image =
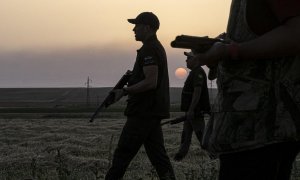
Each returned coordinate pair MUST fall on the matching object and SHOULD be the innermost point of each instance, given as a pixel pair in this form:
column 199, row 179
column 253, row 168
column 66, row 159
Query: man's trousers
column 140, row 131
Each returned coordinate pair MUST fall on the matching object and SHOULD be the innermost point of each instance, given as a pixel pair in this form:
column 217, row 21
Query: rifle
column 195, row 43
column 111, row 96
column 174, row 121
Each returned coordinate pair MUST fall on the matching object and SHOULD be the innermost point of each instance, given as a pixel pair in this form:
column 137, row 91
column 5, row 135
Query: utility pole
column 88, row 91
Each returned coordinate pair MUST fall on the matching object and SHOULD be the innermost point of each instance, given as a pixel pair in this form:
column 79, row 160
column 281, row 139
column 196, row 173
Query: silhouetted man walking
column 148, row 103
column 194, row 102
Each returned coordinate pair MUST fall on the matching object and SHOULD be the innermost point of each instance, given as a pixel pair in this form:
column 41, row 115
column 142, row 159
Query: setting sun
column 180, row 73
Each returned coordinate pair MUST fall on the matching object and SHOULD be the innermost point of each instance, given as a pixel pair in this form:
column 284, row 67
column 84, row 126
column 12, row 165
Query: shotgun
column 109, row 100
column 174, row 121
column 195, row 43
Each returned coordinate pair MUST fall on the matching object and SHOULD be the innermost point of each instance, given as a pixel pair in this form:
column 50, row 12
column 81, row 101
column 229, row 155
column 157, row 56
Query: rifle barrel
column 97, row 111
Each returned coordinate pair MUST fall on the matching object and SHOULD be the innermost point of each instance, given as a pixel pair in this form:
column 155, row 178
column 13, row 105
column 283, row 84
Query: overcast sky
column 59, row 43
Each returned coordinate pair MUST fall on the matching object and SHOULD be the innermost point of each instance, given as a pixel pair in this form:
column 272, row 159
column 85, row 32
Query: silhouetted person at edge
column 194, row 102
column 255, row 126
column 148, row 103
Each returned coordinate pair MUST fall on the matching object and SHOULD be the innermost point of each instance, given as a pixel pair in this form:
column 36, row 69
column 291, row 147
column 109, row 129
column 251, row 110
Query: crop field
column 76, row 149
column 42, row 141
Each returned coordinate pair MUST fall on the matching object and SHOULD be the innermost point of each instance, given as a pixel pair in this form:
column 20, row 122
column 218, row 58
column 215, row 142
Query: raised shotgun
column 195, row 43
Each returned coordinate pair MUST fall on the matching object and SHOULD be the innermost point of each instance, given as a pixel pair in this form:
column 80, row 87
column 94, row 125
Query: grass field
column 45, row 134
column 43, row 140
column 76, row 149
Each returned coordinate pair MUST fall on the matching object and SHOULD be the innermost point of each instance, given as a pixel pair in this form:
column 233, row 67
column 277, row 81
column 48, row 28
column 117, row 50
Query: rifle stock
column 110, row 98
column 195, row 43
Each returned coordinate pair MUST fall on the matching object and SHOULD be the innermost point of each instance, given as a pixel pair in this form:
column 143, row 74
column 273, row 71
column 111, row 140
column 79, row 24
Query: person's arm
column 149, row 83
column 279, row 42
column 195, row 99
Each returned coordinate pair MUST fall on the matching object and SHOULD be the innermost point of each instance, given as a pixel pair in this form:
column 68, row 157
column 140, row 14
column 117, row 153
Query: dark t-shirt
column 153, row 102
column 196, row 78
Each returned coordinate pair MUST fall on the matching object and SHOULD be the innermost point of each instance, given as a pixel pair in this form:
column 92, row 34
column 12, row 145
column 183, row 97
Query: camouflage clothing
column 258, row 101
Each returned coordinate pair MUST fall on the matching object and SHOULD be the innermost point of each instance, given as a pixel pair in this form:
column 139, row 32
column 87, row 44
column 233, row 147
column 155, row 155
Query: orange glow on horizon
column 68, row 23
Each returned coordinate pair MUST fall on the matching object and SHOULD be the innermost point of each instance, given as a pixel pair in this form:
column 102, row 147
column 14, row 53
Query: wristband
column 233, row 51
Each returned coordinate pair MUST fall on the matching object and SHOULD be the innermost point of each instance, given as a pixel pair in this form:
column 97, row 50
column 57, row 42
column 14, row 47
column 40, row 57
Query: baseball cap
column 146, row 18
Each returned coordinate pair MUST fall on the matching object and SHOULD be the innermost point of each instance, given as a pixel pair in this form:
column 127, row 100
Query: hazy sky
column 59, row 43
